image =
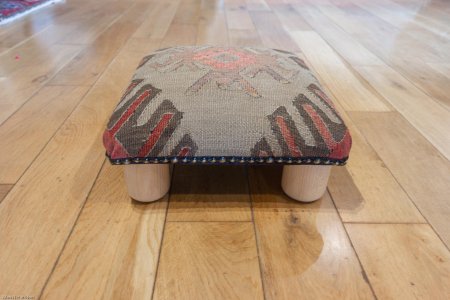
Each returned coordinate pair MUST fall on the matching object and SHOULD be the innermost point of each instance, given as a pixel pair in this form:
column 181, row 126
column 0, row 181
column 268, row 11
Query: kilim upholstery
column 220, row 105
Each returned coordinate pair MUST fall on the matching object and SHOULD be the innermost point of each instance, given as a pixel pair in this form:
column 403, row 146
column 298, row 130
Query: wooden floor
column 68, row 230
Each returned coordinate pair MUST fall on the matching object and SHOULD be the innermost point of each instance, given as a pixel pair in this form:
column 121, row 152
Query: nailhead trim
column 229, row 160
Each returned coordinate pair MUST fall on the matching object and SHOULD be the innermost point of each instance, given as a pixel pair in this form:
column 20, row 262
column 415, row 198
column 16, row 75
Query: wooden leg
column 147, row 183
column 305, row 183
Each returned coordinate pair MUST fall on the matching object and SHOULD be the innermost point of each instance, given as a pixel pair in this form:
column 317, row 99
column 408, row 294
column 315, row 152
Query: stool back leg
column 305, row 183
column 147, row 183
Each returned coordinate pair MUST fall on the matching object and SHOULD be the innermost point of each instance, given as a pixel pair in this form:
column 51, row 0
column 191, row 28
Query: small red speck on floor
column 17, row 57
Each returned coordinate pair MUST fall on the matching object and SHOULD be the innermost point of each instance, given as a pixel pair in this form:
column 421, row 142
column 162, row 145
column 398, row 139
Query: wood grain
column 239, row 19
column 304, row 250
column 209, row 193
column 88, row 65
column 366, row 191
column 112, row 252
column 403, row 49
column 414, row 162
column 403, row 261
column 271, row 31
column 212, row 28
column 47, row 199
column 244, row 38
column 16, row 33
column 208, row 260
column 19, row 86
column 158, row 20
column 342, row 43
column 334, row 74
column 26, row 133
column 427, row 116
column 180, row 35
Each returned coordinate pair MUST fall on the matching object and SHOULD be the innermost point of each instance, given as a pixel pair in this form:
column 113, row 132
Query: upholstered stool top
column 221, row 105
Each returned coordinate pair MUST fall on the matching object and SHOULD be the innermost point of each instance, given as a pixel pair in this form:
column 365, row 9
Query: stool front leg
column 147, row 183
column 305, row 183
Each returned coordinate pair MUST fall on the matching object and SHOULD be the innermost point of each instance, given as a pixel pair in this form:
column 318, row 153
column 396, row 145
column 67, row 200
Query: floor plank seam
column 402, row 72
column 71, row 231
column 82, row 47
column 93, row 183
column 385, row 223
column 363, row 271
column 162, row 234
column 390, row 65
column 33, row 35
column 52, row 136
column 210, row 221
column 43, row 85
column 401, row 186
column 6, row 194
column 256, row 235
column 75, row 107
column 386, row 63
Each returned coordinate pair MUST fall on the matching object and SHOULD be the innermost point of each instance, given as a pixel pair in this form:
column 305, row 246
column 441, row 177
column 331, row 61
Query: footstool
column 225, row 105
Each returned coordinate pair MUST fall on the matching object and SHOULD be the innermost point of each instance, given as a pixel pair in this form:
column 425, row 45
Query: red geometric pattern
column 225, row 105
column 124, row 137
column 226, row 67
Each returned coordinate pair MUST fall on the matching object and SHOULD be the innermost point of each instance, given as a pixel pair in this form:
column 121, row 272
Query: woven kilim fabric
column 225, row 105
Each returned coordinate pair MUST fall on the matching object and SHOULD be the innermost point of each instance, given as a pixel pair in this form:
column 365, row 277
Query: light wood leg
column 147, row 183
column 305, row 183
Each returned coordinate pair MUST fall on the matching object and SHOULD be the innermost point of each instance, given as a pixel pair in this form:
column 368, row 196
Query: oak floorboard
column 365, row 190
column 180, row 35
column 402, row 18
column 113, row 250
column 422, row 111
column 425, row 114
column 256, row 5
column 209, row 193
column 86, row 23
column 345, row 45
column 400, row 48
column 244, row 38
column 212, row 28
column 158, row 20
column 18, row 87
column 188, row 13
column 16, row 33
column 234, row 4
column 390, row 15
column 141, row 46
column 431, row 82
column 239, row 19
column 271, row 31
column 27, row 132
column 289, row 18
column 419, row 168
column 380, row 36
column 335, row 74
column 208, row 260
column 86, row 67
column 47, row 199
column 95, row 22
column 403, row 261
column 442, row 68
column 304, row 250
